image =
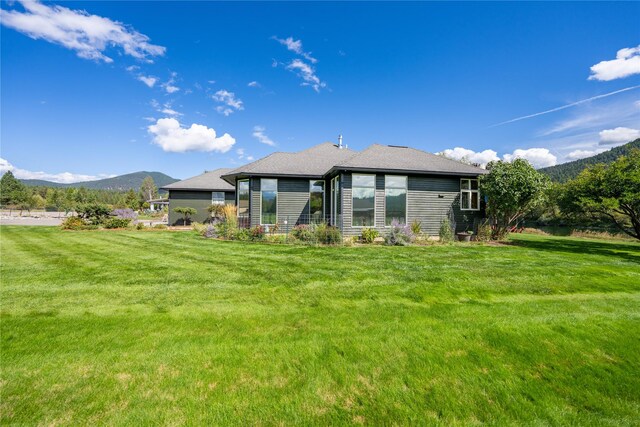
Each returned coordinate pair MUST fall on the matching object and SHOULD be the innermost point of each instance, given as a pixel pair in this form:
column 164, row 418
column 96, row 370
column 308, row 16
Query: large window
column 269, row 201
column 316, row 200
column 364, row 200
column 469, row 195
column 217, row 198
column 395, row 198
column 243, row 197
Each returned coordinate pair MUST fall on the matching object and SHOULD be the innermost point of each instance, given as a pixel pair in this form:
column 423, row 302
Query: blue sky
column 93, row 89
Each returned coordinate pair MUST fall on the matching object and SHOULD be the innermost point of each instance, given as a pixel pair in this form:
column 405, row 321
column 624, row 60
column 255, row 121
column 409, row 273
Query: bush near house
column 369, row 235
column 186, row 213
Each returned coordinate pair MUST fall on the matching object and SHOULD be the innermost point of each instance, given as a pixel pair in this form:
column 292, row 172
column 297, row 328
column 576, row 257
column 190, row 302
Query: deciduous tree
column 608, row 191
column 512, row 189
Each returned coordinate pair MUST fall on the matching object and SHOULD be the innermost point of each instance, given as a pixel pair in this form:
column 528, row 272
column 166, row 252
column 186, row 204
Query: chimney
column 340, row 142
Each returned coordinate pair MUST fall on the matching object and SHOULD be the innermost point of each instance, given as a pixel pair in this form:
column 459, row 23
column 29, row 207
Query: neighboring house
column 353, row 190
column 158, row 204
column 199, row 192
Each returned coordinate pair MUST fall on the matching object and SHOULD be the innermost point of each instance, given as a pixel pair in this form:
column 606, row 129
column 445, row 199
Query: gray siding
column 293, row 201
column 430, row 199
column 199, row 200
column 254, row 201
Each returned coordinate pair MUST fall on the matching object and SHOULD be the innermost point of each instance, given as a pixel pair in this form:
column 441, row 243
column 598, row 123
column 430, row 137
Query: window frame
column 324, row 197
column 471, row 194
column 374, row 200
column 406, row 198
column 224, row 198
column 261, row 190
column 238, row 196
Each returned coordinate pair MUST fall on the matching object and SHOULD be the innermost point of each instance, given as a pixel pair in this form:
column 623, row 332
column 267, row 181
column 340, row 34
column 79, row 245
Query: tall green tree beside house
column 610, row 192
column 512, row 190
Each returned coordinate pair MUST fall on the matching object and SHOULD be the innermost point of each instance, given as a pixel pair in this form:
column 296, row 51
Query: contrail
column 566, row 106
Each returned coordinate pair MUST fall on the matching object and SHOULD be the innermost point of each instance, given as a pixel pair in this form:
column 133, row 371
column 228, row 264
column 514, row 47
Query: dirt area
column 33, row 218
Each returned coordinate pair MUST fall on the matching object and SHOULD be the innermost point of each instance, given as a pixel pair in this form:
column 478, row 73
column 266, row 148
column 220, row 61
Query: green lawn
column 140, row 328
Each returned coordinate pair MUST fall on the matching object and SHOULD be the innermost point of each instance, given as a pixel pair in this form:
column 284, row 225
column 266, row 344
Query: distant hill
column 569, row 170
column 121, row 182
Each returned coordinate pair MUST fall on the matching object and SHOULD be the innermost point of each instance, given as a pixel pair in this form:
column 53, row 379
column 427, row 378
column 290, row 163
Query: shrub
column 116, row 222
column 327, row 234
column 416, row 227
column 277, row 238
column 241, row 234
column 257, row 232
column 73, row 223
column 216, row 211
column 302, row 232
column 484, row 232
column 230, row 215
column 369, row 235
column 400, row 234
column 139, row 226
column 186, row 213
column 446, row 231
column 95, row 213
column 198, row 227
column 160, row 227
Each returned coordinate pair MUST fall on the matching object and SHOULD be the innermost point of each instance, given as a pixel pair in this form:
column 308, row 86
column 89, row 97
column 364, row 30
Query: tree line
column 602, row 194
column 14, row 195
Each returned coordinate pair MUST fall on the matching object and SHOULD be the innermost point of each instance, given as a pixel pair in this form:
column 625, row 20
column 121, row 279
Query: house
column 353, row 190
column 199, row 192
column 158, row 204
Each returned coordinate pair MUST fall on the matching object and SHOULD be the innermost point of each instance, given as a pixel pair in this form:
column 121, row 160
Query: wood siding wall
column 429, row 200
column 199, row 200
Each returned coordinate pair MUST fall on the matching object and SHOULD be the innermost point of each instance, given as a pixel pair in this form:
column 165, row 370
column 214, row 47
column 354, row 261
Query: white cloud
column 295, row 46
column 88, row 35
column 627, row 63
column 63, row 178
column 231, row 103
column 170, row 112
column 470, row 156
column 619, row 135
column 170, row 86
column 254, row 84
column 169, row 134
column 148, row 80
column 538, row 157
column 307, row 73
column 149, row 119
column 581, row 154
column 259, row 134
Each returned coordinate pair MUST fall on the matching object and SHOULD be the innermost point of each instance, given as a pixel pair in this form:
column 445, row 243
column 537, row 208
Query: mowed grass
column 142, row 328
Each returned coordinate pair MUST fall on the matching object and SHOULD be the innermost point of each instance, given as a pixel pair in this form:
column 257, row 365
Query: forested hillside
column 130, row 181
column 567, row 171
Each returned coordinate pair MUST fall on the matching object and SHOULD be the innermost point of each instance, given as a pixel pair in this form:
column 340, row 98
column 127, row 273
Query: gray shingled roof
column 312, row 162
column 396, row 158
column 208, row 181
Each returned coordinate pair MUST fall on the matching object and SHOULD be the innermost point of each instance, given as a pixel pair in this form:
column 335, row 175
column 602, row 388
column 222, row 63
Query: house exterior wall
column 430, row 199
column 199, row 200
column 292, row 202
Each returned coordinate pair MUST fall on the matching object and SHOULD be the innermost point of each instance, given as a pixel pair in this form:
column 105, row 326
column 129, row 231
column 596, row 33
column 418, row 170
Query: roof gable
column 208, row 181
column 398, row 158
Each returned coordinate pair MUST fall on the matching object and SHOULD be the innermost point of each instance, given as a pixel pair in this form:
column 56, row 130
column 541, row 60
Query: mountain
column 121, row 182
column 569, row 170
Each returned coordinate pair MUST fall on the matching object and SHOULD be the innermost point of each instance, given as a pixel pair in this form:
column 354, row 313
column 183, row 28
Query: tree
column 38, row 201
column 131, row 200
column 148, row 189
column 610, row 192
column 8, row 187
column 512, row 189
column 186, row 213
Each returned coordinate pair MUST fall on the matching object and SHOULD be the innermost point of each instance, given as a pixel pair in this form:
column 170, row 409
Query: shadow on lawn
column 628, row 251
